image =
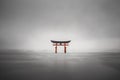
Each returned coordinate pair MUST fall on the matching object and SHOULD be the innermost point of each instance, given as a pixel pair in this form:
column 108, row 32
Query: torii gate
column 60, row 43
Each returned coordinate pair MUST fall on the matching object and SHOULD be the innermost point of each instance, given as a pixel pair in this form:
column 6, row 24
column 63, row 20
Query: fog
column 91, row 25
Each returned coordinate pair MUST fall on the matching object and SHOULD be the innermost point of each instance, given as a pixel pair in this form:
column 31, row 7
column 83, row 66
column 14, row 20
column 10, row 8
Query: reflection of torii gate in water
column 60, row 43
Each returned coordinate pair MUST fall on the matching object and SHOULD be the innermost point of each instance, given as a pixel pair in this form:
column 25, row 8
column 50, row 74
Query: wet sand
column 28, row 65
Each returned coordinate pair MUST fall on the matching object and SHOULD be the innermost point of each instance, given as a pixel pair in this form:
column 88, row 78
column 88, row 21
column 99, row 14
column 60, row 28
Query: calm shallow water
column 26, row 65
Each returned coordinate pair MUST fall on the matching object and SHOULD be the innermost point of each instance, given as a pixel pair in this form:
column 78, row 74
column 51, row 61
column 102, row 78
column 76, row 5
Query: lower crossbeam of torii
column 61, row 43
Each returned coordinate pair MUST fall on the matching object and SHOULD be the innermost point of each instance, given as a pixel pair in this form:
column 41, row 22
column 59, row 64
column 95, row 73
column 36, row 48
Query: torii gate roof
column 54, row 41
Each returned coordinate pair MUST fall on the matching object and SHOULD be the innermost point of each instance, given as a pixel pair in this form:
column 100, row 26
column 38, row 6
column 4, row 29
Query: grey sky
column 30, row 24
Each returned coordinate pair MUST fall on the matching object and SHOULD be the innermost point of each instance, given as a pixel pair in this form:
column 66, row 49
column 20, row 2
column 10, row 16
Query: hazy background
column 92, row 25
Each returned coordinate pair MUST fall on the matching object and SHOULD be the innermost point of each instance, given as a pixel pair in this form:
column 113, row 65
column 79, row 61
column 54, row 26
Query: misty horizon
column 91, row 25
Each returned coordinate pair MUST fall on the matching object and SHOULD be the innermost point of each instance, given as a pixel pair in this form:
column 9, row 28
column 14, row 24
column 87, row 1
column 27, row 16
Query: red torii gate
column 60, row 43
